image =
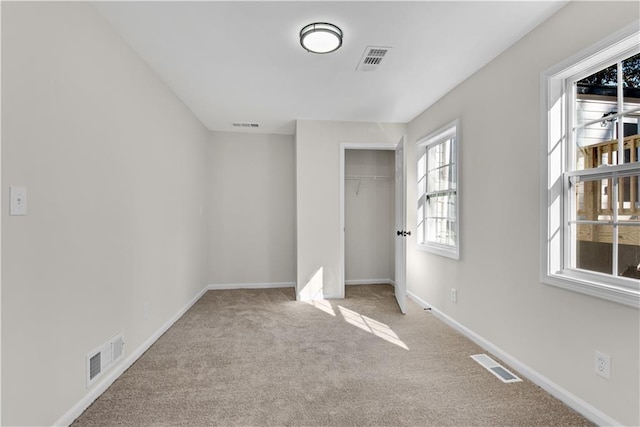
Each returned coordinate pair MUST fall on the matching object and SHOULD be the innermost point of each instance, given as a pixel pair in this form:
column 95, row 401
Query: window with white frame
column 591, row 195
column 438, row 192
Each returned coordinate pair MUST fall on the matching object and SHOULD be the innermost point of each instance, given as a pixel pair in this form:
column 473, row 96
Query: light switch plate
column 18, row 204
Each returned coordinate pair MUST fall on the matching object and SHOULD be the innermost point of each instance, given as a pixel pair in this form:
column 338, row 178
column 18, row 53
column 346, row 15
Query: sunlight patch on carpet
column 372, row 326
column 322, row 304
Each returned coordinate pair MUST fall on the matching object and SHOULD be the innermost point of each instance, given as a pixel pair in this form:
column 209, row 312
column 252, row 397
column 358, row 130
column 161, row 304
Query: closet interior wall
column 369, row 216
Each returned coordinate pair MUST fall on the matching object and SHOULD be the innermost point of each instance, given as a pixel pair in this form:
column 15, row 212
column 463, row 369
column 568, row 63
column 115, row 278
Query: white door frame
column 344, row 146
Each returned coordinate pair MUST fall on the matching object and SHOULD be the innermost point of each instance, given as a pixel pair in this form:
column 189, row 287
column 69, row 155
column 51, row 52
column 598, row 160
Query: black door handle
column 403, row 233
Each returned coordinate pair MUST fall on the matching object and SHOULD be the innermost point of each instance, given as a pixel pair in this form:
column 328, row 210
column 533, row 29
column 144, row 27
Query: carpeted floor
column 258, row 357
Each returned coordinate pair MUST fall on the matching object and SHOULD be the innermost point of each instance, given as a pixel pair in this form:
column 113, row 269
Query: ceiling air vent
column 372, row 58
column 245, row 125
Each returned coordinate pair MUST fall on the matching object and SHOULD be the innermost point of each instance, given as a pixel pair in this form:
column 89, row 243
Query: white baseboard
column 574, row 402
column 228, row 286
column 369, row 282
column 112, row 375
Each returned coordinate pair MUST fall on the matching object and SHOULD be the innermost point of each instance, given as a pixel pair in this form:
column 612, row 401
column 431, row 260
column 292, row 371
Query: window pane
column 439, row 230
column 631, row 91
column 628, row 205
column 631, row 94
column 601, row 81
column 439, row 155
column 432, row 230
column 594, row 251
column 629, row 239
column 596, row 145
column 580, row 199
column 596, row 123
column 604, row 199
column 591, row 199
column 631, row 149
column 629, row 255
column 441, row 179
column 597, row 98
column 452, row 233
column 631, row 71
column 442, row 206
column 629, row 124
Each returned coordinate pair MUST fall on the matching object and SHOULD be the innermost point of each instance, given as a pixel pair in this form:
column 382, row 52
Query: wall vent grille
column 103, row 357
column 94, row 366
column 117, row 347
column 495, row 368
column 245, row 125
column 372, row 58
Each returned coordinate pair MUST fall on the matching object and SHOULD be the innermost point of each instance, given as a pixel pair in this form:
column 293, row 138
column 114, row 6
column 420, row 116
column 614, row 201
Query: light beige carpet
column 258, row 357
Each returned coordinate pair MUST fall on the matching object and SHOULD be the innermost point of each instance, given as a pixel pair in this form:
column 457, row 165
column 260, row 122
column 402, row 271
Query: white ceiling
column 242, row 62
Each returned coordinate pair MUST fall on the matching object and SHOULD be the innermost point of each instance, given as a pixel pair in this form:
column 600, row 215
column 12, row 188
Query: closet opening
column 372, row 213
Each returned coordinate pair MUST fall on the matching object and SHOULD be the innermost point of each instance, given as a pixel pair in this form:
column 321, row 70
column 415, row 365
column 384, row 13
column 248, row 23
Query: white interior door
column 401, row 286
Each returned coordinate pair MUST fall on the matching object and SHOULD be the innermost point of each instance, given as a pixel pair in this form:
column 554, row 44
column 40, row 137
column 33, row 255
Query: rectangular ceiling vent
column 103, row 357
column 245, row 125
column 372, row 58
column 495, row 368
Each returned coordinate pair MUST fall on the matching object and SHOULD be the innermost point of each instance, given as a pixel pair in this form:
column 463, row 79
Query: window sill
column 618, row 294
column 442, row 250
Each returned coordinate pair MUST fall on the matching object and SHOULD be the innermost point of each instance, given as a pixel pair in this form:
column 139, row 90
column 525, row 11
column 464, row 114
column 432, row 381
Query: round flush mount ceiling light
column 321, row 37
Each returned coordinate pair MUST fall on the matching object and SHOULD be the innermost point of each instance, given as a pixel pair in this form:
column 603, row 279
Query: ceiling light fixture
column 321, row 37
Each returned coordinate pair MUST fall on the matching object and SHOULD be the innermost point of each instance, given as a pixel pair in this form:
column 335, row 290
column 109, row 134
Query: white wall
column 553, row 331
column 251, row 208
column 115, row 169
column 369, row 216
column 318, row 198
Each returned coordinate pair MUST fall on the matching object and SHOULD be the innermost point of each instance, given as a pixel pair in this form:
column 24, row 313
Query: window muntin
column 437, row 229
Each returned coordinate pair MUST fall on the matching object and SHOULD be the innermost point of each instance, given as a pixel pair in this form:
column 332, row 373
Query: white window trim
column 553, row 132
column 446, row 131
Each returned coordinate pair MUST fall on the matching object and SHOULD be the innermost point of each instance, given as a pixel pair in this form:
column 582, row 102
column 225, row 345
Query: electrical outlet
column 145, row 310
column 454, row 295
column 18, row 202
column 602, row 365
